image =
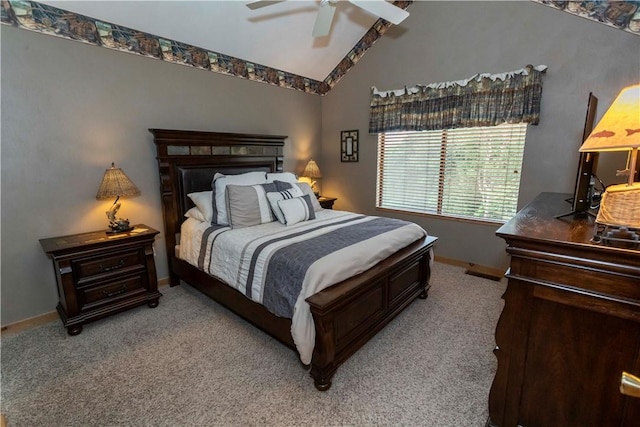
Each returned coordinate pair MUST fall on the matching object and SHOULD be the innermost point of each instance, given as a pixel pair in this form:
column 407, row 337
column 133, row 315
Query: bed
column 344, row 315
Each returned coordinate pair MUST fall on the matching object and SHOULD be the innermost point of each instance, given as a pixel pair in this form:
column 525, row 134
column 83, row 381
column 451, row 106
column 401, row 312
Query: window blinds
column 471, row 173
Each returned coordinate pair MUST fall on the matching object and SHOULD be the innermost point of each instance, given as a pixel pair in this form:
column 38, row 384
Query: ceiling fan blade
column 324, row 19
column 384, row 10
column 253, row 5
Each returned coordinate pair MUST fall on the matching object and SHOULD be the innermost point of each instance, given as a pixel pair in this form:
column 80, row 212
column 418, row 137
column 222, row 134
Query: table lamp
column 312, row 171
column 619, row 130
column 115, row 183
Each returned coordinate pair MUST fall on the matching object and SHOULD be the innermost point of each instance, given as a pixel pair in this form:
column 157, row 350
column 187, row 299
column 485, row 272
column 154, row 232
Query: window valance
column 481, row 100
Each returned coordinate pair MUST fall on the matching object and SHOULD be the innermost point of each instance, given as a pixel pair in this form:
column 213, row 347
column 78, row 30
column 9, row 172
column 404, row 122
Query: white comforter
column 229, row 256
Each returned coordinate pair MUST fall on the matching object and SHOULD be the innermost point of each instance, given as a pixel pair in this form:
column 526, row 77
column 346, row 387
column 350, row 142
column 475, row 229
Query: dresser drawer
column 106, row 292
column 107, row 264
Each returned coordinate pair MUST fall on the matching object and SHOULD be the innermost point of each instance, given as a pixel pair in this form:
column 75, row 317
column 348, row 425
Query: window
column 471, row 173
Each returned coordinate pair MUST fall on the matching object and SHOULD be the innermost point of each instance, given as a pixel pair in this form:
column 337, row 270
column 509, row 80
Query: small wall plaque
column 349, row 145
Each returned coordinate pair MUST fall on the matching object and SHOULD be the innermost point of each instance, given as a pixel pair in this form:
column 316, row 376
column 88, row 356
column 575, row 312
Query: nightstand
column 327, row 202
column 99, row 274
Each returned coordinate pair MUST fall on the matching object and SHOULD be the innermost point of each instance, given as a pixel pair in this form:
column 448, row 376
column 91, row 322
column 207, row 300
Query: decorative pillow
column 306, row 189
column 247, row 205
column 202, row 200
column 274, row 197
column 297, row 209
column 219, row 186
column 282, row 176
column 195, row 213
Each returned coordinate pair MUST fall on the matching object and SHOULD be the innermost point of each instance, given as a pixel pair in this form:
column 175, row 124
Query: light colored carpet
column 190, row 362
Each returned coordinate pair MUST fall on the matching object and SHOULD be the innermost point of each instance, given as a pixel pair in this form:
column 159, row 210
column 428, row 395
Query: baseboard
column 485, row 272
column 42, row 319
column 29, row 323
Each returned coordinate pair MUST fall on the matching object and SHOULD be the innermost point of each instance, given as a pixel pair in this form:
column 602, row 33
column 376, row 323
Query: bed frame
column 346, row 315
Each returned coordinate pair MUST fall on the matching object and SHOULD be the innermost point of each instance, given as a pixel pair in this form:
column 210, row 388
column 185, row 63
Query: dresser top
column 537, row 222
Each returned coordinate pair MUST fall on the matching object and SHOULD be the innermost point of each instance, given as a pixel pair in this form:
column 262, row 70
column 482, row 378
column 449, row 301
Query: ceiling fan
column 322, row 26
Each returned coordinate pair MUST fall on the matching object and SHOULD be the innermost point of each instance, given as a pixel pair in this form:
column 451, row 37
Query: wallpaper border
column 50, row 20
column 624, row 15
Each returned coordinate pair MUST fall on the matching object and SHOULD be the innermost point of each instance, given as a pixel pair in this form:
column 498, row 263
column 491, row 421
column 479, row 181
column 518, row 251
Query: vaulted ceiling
column 278, row 36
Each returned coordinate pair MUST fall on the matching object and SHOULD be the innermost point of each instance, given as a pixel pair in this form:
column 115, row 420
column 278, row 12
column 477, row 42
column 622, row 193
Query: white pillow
column 306, row 189
column 275, row 197
column 282, row 176
column 219, row 186
column 297, row 209
column 195, row 213
column 202, row 200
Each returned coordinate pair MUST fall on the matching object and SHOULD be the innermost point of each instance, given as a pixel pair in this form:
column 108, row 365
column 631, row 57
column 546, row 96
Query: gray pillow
column 219, row 195
column 247, row 205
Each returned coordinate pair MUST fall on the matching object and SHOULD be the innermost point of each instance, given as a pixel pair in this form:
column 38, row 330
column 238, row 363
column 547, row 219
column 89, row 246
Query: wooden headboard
column 188, row 160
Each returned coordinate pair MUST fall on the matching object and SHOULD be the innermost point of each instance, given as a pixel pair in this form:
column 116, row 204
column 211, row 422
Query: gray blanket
column 288, row 265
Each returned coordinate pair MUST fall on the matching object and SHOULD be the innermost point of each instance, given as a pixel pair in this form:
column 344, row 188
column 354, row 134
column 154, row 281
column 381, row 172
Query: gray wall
column 70, row 109
column 444, row 41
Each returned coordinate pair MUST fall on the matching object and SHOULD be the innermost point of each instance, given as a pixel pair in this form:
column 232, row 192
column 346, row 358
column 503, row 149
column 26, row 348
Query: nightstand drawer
column 117, row 262
column 90, row 297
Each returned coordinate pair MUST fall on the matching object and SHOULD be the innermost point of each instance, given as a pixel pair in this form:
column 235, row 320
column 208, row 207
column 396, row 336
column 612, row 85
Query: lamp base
column 618, row 237
column 118, row 230
column 119, row 226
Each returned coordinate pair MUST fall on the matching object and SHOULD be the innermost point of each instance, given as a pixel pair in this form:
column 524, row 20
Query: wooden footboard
column 348, row 314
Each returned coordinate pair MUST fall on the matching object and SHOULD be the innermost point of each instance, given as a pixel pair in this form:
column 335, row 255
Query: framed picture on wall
column 349, row 145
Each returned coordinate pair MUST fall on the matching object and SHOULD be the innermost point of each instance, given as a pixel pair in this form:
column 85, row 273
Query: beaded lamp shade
column 312, row 171
column 116, row 183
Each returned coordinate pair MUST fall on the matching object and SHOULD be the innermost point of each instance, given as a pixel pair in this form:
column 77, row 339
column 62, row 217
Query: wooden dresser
column 570, row 324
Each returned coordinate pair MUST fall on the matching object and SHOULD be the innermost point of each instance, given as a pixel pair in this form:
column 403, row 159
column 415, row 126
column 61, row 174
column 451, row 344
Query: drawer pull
column 118, row 292
column 630, row 385
column 113, row 267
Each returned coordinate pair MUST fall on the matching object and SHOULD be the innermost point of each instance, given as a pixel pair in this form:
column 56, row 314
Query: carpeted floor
column 190, row 362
